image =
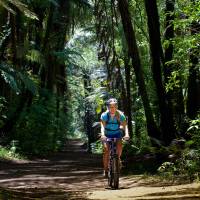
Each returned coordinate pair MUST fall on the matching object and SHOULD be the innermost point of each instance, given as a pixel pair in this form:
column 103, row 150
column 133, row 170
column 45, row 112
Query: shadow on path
column 73, row 169
column 74, row 174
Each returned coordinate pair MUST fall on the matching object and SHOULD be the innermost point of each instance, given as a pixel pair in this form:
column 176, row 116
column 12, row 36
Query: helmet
column 111, row 101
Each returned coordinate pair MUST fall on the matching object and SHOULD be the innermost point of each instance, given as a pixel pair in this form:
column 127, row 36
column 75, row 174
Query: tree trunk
column 193, row 98
column 58, row 24
column 128, row 94
column 88, row 119
column 174, row 95
column 152, row 129
column 167, row 122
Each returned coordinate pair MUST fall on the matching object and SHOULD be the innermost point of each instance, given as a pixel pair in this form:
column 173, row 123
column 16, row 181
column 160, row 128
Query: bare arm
column 103, row 124
column 125, row 127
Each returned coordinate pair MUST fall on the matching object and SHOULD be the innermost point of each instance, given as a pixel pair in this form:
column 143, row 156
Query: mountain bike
column 114, row 165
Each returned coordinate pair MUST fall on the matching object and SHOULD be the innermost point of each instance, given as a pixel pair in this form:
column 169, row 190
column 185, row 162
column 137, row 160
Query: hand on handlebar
column 103, row 137
column 126, row 138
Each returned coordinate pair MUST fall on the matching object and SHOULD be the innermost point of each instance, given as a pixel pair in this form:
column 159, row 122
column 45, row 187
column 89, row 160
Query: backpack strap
column 117, row 116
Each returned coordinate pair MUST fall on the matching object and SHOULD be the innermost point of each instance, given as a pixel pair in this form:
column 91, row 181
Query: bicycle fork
column 113, row 172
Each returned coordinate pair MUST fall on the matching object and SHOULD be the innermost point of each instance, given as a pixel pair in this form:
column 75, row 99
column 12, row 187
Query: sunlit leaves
column 36, row 56
column 68, row 56
column 174, row 81
column 4, row 34
column 17, row 80
column 27, row 82
column 2, row 106
column 186, row 13
column 9, row 76
column 21, row 6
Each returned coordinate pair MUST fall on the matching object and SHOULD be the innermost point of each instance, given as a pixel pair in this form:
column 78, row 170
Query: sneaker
column 105, row 174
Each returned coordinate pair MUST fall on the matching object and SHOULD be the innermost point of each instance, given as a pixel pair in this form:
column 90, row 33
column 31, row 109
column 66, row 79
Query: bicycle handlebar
column 114, row 139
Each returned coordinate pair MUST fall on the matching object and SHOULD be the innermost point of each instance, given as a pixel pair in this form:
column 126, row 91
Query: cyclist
column 112, row 123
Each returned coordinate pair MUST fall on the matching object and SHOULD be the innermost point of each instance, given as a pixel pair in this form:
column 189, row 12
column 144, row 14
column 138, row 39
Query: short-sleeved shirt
column 112, row 124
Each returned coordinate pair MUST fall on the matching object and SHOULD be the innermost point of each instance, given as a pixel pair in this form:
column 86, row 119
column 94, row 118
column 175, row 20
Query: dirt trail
column 75, row 174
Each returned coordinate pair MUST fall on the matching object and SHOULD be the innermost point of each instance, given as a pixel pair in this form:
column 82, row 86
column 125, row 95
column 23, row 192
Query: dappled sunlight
column 69, row 169
column 37, row 193
column 188, row 191
column 78, row 175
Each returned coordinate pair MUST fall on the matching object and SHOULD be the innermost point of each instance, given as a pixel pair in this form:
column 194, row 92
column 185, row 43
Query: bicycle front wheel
column 115, row 172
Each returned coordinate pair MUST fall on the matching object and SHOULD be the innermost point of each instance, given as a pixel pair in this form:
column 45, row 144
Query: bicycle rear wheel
column 115, row 172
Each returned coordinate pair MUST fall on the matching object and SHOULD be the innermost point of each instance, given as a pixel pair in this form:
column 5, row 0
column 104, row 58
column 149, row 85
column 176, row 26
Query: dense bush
column 187, row 163
column 40, row 128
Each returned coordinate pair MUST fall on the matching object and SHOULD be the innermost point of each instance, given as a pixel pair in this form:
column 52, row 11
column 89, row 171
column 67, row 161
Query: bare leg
column 105, row 156
column 119, row 148
column 119, row 151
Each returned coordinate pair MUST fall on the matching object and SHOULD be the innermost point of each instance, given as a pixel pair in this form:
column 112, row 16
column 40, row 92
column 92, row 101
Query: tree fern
column 17, row 80
column 27, row 82
column 82, row 2
column 9, row 76
column 11, row 81
column 69, row 56
column 21, row 6
column 36, row 56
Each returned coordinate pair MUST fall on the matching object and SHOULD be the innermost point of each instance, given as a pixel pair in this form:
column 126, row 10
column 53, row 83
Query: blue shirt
column 112, row 124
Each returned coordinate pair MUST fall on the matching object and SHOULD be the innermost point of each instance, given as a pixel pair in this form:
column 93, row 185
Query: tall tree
column 174, row 96
column 57, row 26
column 193, row 99
column 128, row 93
column 129, row 32
column 166, row 115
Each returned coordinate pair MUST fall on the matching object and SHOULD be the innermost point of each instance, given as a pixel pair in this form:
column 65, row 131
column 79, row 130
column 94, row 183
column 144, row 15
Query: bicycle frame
column 113, row 167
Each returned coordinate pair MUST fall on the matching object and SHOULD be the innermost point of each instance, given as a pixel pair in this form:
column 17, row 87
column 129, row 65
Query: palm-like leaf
column 82, row 2
column 36, row 56
column 21, row 6
column 15, row 79
column 69, row 56
column 10, row 79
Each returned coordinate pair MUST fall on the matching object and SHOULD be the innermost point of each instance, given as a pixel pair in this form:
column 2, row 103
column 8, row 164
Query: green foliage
column 40, row 129
column 97, row 147
column 174, row 81
column 35, row 56
column 17, row 80
column 21, row 6
column 167, row 169
column 9, row 154
column 69, row 56
column 129, row 150
column 5, row 33
column 188, row 163
column 2, row 115
column 81, row 57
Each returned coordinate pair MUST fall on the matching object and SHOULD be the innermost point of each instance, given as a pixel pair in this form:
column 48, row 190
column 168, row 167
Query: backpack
column 118, row 119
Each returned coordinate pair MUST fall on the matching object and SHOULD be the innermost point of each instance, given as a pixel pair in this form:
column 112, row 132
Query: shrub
column 40, row 129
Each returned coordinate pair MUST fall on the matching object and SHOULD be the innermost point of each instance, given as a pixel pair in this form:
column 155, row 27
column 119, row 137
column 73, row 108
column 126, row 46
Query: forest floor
column 75, row 174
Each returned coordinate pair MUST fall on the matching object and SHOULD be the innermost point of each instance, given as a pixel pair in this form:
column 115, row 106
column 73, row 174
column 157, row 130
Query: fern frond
column 34, row 55
column 11, row 81
column 7, row 7
column 28, row 83
column 21, row 6
column 54, row 2
column 4, row 34
column 15, row 79
column 69, row 56
column 82, row 2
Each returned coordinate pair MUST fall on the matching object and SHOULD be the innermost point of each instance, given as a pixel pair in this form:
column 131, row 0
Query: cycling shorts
column 115, row 135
